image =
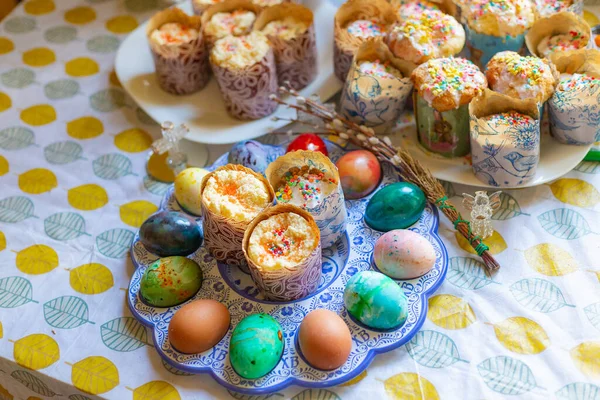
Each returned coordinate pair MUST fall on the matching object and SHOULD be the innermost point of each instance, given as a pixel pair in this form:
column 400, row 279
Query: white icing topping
column 379, row 70
column 173, row 33
column 240, row 52
column 286, row 29
column 500, row 17
column 364, row 29
column 236, row 23
column 563, row 42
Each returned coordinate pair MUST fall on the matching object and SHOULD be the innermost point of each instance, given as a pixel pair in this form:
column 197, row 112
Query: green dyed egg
column 376, row 300
column 396, row 206
column 256, row 346
column 170, row 281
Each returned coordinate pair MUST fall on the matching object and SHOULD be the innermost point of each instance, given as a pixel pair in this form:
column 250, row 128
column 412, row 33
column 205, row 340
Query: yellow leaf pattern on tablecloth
column 5, row 102
column 450, row 312
column 495, row 242
column 80, row 15
column 136, row 212
column 81, row 66
column 410, row 386
column 37, row 259
column 522, row 335
column 586, row 357
column 1, row 331
column 355, row 380
column 39, row 7
column 87, row 197
column 95, row 375
column 156, row 390
column 4, row 166
column 549, row 259
column 85, row 128
column 36, row 351
column 133, row 140
column 39, row 57
column 37, row 181
column 38, row 115
column 121, row 24
column 575, row 192
column 6, row 45
column 2, row 241
column 5, row 394
column 91, row 278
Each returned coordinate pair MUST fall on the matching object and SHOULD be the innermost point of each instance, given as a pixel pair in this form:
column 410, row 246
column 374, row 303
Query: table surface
column 73, row 189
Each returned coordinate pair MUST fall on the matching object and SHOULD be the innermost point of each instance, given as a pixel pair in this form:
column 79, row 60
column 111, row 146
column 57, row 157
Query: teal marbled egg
column 396, row 206
column 256, row 346
column 375, row 300
column 170, row 281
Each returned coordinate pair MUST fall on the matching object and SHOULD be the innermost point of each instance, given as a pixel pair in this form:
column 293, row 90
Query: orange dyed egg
column 360, row 173
column 324, row 339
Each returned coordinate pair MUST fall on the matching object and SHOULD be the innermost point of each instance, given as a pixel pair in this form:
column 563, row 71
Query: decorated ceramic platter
column 234, row 288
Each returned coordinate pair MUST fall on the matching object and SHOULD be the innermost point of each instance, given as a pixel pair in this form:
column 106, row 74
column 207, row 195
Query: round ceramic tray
column 237, row 291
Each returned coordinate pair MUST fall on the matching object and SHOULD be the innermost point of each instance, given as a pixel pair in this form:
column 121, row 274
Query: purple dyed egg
column 251, row 154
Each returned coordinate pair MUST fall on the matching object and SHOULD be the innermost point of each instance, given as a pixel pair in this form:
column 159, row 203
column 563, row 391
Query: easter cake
column 283, row 250
column 230, row 17
column 558, row 33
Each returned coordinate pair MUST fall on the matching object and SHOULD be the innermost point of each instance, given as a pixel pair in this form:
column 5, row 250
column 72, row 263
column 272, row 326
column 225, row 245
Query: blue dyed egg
column 250, row 154
column 375, row 300
column 169, row 233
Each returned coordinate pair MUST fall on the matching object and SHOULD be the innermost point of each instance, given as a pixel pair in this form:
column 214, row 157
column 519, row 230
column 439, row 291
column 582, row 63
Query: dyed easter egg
column 396, row 206
column 250, row 154
column 403, row 254
column 198, row 326
column 324, row 339
column 375, row 300
column 170, row 281
column 187, row 189
column 170, row 233
column 308, row 141
column 256, row 346
column 360, row 173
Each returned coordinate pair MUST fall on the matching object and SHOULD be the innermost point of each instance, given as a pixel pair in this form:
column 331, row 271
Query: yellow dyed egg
column 187, row 189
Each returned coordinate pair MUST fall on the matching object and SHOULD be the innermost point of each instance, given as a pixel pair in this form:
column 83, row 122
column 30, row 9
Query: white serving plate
column 204, row 112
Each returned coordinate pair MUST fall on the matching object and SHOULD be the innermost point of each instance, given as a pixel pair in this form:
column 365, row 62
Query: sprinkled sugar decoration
column 552, row 6
column 379, row 70
column 572, row 41
column 454, row 75
column 530, row 68
column 428, row 26
column 366, row 29
column 578, row 82
column 511, row 10
column 305, row 183
column 512, row 118
column 281, row 244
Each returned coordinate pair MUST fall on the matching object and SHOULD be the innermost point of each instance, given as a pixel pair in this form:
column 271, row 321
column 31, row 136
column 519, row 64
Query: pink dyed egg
column 403, row 254
column 360, row 173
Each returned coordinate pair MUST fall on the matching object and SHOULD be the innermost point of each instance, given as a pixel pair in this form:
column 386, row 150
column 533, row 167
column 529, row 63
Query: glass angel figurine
column 482, row 208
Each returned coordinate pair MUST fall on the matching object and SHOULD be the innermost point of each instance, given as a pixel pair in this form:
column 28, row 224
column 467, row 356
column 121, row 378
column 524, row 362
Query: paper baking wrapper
column 577, row 7
column 223, row 237
column 482, row 48
column 330, row 215
column 181, row 69
column 560, row 23
column 226, row 6
column 296, row 58
column 345, row 45
column 507, row 157
column 376, row 102
column 445, row 133
column 246, row 92
column 575, row 115
column 199, row 8
column 286, row 284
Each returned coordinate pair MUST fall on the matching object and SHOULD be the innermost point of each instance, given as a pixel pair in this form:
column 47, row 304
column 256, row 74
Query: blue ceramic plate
column 235, row 289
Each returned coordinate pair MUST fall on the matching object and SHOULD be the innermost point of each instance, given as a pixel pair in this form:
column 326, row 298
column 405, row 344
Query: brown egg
column 324, row 339
column 198, row 326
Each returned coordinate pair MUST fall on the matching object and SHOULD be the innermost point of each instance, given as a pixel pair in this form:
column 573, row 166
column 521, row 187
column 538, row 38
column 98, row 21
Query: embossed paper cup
column 180, row 69
column 345, row 44
column 226, row 6
column 376, row 101
column 247, row 90
column 574, row 110
column 223, row 237
column 286, row 284
column 506, row 157
column 295, row 58
column 330, row 213
column 562, row 23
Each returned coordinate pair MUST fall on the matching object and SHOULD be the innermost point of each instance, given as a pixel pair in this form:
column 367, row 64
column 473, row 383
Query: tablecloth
column 73, row 189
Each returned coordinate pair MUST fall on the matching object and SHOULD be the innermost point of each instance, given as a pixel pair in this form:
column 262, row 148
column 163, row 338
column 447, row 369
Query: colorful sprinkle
column 530, row 69
column 366, row 29
column 577, row 82
column 453, row 75
column 303, row 188
column 379, row 70
column 511, row 118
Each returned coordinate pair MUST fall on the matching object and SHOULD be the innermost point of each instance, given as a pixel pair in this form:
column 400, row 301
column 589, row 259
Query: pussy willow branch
column 405, row 165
